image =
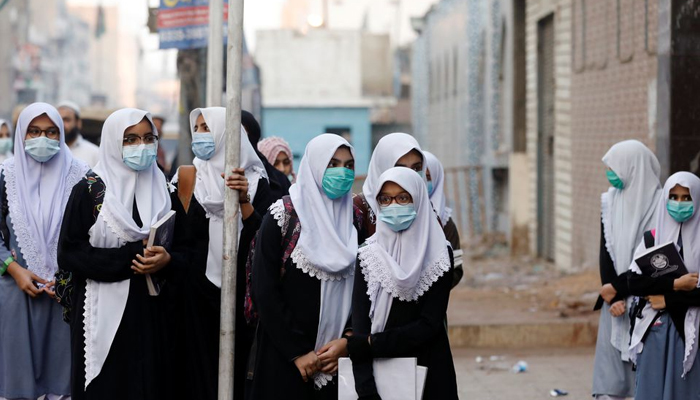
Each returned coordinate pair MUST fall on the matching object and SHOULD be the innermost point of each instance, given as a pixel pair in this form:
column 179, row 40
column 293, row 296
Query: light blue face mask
column 398, row 217
column 614, row 180
column 337, row 182
column 139, row 157
column 421, row 173
column 430, row 188
column 6, row 145
column 203, row 145
column 42, row 149
column 681, row 211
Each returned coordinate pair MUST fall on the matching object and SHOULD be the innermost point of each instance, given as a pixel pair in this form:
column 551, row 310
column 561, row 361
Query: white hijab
column 327, row 246
column 389, row 150
column 626, row 214
column 210, row 187
column 403, row 265
column 115, row 227
column 37, row 193
column 437, row 197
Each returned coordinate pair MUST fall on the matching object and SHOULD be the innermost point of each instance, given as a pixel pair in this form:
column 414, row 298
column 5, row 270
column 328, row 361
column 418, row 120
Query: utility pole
column 227, row 330
column 215, row 54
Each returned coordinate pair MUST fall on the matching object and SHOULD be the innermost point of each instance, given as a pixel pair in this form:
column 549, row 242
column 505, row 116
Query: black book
column 161, row 235
column 662, row 260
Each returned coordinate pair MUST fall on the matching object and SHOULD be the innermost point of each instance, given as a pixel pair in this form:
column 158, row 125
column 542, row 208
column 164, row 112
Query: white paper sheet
column 396, row 379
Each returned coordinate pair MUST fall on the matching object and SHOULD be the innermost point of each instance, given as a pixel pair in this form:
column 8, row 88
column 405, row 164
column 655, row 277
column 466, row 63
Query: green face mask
column 614, row 180
column 681, row 211
column 337, row 182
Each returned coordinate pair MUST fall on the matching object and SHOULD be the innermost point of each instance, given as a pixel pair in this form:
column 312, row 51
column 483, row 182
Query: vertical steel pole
column 215, row 54
column 227, row 328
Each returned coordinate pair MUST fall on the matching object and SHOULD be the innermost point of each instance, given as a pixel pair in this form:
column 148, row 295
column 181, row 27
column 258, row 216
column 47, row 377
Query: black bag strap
column 649, row 239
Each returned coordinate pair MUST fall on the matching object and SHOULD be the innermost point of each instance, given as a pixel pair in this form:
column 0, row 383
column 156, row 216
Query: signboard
column 184, row 24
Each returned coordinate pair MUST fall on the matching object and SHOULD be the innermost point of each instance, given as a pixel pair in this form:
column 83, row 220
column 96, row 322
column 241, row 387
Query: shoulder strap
column 185, row 184
column 649, row 238
column 290, row 236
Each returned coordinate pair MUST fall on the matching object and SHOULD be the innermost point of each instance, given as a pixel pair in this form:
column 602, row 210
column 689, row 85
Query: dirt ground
column 499, row 289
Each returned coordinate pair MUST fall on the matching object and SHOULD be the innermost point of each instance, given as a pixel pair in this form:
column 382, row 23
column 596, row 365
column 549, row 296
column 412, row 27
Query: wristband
column 6, row 265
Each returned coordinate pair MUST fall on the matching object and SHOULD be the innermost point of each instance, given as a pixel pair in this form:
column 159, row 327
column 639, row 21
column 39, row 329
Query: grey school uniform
column 34, row 339
column 611, row 375
column 660, row 366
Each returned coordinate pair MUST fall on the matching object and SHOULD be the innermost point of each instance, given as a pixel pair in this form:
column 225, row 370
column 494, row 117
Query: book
column 662, row 260
column 161, row 235
column 387, row 371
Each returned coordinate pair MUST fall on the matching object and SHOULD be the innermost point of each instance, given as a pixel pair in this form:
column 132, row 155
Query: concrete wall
column 318, row 68
column 299, row 125
column 462, row 89
column 613, row 98
column 605, row 78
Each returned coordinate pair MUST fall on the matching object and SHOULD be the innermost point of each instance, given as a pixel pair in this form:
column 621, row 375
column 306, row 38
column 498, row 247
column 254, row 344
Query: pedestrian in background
column 628, row 209
column 82, row 149
column 34, row 187
column 393, row 150
column 435, row 175
column 278, row 153
column 6, row 143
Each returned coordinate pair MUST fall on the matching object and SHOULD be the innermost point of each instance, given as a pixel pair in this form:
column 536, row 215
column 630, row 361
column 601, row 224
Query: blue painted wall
column 299, row 125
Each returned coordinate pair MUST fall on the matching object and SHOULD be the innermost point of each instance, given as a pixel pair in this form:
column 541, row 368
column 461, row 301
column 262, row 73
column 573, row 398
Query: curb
column 549, row 334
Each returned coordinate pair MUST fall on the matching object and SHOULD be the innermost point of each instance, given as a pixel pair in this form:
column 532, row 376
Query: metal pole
column 215, row 53
column 227, row 333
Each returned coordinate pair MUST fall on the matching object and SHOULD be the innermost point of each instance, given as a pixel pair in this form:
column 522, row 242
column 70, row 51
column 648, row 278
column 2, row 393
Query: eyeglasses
column 134, row 140
column 51, row 133
column 401, row 199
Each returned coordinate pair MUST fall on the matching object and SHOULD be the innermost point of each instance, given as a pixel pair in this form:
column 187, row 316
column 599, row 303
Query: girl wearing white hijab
column 35, row 186
column 665, row 337
column 393, row 150
column 628, row 210
column 304, row 302
column 116, row 326
column 435, row 175
column 402, row 288
column 6, row 143
column 194, row 292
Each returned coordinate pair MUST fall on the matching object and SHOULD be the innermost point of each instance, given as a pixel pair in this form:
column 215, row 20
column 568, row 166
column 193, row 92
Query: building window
column 343, row 131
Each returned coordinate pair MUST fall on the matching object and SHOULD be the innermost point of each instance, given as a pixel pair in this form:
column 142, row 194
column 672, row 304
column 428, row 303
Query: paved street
column 566, row 369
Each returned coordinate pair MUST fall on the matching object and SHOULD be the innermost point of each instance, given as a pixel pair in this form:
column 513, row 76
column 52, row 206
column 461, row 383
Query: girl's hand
column 26, row 280
column 153, row 260
column 686, row 282
column 49, row 289
column 608, row 292
column 308, row 365
column 617, row 308
column 329, row 354
column 238, row 181
column 658, row 302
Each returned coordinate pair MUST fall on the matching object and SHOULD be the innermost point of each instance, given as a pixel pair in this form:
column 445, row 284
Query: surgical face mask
column 6, row 145
column 681, row 211
column 139, row 157
column 430, row 188
column 421, row 173
column 337, row 182
column 203, row 145
column 398, row 217
column 614, row 180
column 42, row 149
